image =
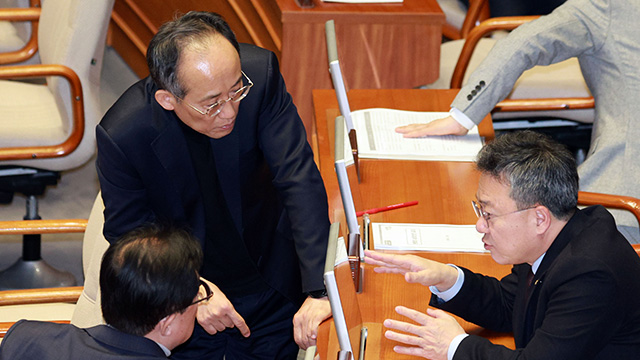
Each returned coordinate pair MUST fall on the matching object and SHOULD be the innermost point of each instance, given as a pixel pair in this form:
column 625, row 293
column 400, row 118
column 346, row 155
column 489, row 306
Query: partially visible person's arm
column 124, row 194
column 283, row 140
column 569, row 31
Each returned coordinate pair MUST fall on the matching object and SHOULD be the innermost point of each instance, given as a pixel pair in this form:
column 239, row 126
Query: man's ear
column 165, row 99
column 543, row 218
column 164, row 326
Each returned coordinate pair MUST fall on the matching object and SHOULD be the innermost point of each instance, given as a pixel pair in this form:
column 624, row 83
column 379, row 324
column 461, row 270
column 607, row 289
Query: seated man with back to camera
column 150, row 292
column 603, row 35
column 573, row 290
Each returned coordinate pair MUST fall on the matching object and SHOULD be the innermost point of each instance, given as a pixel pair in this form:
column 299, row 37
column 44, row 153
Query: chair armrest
column 42, row 226
column 510, row 105
column 31, row 47
column 77, row 105
column 544, row 104
column 43, row 295
column 40, row 296
column 477, row 33
column 611, row 201
column 478, row 11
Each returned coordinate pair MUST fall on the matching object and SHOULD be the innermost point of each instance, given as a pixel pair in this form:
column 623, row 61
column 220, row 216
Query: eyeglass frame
column 207, row 290
column 480, row 213
column 245, row 89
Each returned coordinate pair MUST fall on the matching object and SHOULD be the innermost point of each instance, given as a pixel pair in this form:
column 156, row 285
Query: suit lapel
column 525, row 309
column 226, row 152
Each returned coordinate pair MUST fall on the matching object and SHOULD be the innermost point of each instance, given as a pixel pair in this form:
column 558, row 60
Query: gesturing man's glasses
column 480, row 213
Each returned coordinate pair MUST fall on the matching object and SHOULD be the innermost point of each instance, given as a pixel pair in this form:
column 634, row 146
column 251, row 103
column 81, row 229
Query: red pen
column 388, row 207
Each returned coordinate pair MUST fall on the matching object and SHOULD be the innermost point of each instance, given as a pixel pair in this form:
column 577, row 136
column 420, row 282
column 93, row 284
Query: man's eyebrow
column 218, row 94
column 483, row 202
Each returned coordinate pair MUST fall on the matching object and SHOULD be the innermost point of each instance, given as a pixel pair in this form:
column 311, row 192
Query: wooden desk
column 380, row 46
column 444, row 191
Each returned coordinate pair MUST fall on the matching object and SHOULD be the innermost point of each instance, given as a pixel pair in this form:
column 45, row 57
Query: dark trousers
column 269, row 316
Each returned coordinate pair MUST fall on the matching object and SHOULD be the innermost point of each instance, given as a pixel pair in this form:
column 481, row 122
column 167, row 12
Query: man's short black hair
column 167, row 45
column 539, row 170
column 148, row 274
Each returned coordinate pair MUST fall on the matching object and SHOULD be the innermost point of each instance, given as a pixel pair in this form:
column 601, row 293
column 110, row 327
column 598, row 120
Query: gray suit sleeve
column 577, row 27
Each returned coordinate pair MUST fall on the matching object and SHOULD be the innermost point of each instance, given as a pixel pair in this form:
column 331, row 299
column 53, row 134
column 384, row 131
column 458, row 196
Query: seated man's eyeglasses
column 480, row 213
column 236, row 96
column 208, row 293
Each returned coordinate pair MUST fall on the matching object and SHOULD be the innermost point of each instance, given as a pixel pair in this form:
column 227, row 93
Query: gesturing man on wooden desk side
column 573, row 289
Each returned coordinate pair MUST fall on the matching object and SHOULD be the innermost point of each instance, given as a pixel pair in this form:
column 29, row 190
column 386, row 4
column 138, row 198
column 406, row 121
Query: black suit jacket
column 583, row 305
column 45, row 340
column 265, row 167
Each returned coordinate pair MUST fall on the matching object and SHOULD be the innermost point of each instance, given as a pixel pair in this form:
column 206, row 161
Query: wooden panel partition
column 134, row 22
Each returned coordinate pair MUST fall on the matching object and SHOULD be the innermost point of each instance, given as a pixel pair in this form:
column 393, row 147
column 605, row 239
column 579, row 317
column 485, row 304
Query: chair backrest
column 88, row 311
column 73, row 33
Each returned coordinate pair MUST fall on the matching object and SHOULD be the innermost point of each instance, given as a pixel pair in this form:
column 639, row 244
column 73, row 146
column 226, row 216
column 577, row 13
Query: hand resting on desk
column 444, row 126
column 308, row 318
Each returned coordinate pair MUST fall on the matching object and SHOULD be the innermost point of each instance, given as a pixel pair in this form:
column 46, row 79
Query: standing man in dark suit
column 573, row 290
column 150, row 292
column 212, row 140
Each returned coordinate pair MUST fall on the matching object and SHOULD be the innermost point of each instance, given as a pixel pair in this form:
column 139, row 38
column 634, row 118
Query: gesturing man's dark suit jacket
column 583, row 304
column 265, row 167
column 45, row 340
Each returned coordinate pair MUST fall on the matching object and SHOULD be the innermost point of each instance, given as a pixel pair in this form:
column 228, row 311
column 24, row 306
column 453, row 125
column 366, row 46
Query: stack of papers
column 377, row 139
column 426, row 237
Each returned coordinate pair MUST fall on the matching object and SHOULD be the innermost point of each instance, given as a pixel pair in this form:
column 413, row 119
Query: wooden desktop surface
column 379, row 45
column 444, row 191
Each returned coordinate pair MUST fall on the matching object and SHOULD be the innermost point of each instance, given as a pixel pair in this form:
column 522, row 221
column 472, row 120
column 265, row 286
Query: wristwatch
column 317, row 294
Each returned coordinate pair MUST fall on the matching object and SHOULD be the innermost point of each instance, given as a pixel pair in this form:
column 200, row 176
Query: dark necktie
column 529, row 284
column 530, row 305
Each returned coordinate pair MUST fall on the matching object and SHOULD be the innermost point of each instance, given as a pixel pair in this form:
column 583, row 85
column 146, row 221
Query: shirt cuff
column 461, row 118
column 452, row 291
column 453, row 346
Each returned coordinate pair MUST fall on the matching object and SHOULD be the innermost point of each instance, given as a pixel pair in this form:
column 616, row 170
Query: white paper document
column 377, row 139
column 341, row 251
column 426, row 237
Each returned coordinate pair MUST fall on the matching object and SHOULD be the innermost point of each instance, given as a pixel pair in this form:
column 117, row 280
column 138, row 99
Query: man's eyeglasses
column 480, row 213
column 208, row 293
column 236, row 96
